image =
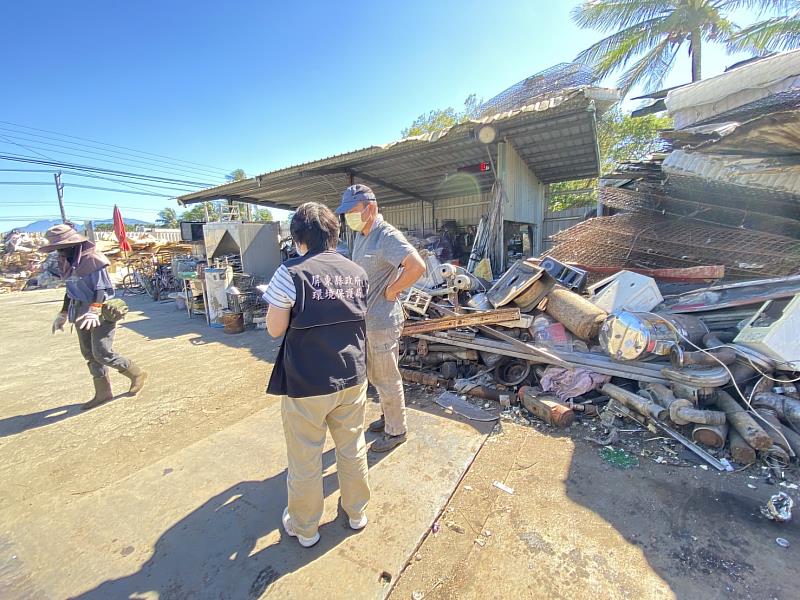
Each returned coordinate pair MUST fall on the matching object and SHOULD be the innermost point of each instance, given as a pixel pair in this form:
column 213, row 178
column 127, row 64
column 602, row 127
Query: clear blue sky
column 253, row 85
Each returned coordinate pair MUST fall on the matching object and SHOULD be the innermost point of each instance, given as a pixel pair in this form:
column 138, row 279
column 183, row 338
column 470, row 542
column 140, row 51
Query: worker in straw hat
column 85, row 271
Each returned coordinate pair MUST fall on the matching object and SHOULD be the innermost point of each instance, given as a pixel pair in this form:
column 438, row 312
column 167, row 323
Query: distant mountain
column 45, row 224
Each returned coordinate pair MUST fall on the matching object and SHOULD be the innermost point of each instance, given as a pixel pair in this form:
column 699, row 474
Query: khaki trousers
column 384, row 374
column 305, row 423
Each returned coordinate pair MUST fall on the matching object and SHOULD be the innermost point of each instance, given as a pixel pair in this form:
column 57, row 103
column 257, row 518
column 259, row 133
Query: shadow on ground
column 213, row 552
column 700, row 531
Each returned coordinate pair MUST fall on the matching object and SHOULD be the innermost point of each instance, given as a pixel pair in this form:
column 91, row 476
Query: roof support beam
column 368, row 178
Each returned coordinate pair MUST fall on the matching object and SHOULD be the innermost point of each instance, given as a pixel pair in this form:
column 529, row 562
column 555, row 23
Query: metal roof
column 556, row 137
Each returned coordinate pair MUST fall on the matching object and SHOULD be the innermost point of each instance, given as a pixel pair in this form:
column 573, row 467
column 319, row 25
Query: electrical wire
column 115, row 162
column 115, row 180
column 17, row 125
column 145, row 162
column 91, row 169
column 89, row 187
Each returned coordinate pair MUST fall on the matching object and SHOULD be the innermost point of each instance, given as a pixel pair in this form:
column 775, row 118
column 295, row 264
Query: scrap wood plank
column 500, row 315
column 681, row 274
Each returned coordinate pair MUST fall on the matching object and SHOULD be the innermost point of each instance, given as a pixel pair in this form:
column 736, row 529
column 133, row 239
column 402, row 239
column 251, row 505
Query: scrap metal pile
column 714, row 369
column 22, row 265
column 727, row 194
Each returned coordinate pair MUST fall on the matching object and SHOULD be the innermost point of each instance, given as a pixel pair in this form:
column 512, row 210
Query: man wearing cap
column 85, row 271
column 392, row 266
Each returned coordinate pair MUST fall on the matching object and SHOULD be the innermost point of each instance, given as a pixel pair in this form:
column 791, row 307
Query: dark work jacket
column 324, row 348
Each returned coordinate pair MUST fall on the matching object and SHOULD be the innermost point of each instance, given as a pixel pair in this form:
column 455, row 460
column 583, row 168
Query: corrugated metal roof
column 556, row 137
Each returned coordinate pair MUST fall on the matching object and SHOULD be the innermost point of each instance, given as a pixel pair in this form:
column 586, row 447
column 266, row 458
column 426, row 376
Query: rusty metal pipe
column 681, row 411
column 741, row 421
column 643, row 406
column 713, row 436
column 710, row 358
column 741, row 451
column 771, row 417
column 742, row 372
column 787, row 409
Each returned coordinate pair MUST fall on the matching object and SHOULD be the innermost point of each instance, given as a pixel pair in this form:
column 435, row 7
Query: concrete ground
column 178, row 493
column 578, row 528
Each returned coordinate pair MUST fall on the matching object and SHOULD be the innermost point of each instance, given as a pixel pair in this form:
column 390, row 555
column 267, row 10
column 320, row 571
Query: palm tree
column 781, row 32
column 653, row 32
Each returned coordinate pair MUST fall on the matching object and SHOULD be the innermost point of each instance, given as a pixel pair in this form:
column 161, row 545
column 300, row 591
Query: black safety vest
column 324, row 348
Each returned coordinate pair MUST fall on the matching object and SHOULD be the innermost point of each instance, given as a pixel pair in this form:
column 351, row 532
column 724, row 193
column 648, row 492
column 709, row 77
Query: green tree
column 236, row 175
column 651, row 33
column 198, row 212
column 263, row 215
column 167, row 218
column 436, row 120
column 781, row 32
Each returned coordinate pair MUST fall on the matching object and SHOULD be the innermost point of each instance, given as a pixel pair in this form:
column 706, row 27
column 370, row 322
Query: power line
column 115, row 146
column 79, row 174
column 88, row 187
column 116, row 162
column 79, row 167
column 54, row 147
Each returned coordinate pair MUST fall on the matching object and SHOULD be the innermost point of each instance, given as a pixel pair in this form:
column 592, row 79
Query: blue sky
column 249, row 84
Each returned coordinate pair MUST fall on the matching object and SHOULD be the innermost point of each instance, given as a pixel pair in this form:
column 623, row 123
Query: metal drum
column 632, row 336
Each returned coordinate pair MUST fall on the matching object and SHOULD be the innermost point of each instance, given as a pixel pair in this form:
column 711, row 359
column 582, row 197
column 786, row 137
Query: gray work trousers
column 96, row 347
column 384, row 373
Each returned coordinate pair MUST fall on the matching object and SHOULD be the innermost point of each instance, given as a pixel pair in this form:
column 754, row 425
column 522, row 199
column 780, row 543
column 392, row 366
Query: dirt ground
column 577, row 527
column 574, row 526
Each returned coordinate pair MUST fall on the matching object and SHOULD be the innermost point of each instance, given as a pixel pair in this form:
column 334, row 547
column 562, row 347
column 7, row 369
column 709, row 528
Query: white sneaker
column 360, row 523
column 287, row 526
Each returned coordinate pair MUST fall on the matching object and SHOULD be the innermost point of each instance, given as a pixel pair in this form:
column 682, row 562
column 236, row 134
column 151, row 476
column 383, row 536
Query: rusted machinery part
column 512, row 371
column 644, row 406
column 546, row 407
column 740, row 420
column 713, row 436
column 787, row 409
column 422, row 378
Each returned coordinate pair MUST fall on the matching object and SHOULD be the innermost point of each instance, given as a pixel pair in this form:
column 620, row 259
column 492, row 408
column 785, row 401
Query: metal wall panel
column 524, row 192
column 465, row 210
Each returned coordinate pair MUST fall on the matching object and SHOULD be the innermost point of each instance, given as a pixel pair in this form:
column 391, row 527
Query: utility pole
column 60, row 192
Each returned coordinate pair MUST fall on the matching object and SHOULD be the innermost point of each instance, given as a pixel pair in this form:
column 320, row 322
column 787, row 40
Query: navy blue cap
column 353, row 195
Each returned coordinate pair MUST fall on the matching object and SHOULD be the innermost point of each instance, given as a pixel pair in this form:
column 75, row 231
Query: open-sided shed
column 448, row 175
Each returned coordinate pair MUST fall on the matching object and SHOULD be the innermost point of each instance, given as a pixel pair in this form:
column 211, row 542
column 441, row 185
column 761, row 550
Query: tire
column 130, row 286
column 147, row 284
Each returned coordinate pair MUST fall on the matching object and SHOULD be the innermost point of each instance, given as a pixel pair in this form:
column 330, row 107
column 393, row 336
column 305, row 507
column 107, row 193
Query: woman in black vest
column 318, row 300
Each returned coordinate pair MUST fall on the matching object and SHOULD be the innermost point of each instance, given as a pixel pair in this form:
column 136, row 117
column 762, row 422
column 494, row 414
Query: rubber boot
column 137, row 377
column 102, row 392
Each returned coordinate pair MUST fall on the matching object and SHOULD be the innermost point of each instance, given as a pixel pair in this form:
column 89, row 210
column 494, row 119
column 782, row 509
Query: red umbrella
column 119, row 231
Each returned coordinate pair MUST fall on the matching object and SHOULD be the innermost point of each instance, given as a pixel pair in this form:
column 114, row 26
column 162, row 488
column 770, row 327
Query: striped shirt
column 280, row 291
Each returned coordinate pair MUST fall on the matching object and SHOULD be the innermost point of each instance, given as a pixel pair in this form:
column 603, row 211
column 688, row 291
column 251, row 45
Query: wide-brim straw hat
column 62, row 236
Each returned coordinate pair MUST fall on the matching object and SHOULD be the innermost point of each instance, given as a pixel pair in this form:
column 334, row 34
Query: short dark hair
column 315, row 225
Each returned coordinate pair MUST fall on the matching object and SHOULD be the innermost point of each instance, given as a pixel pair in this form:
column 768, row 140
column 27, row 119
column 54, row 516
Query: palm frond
column 619, row 14
column 760, row 6
column 651, row 69
column 637, row 38
column 779, row 33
